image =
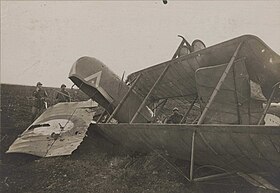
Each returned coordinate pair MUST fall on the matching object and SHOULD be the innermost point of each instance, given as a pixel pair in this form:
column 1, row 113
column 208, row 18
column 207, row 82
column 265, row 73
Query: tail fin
column 102, row 85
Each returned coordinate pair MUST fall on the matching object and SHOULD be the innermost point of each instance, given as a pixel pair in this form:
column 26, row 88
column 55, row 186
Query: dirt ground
column 96, row 166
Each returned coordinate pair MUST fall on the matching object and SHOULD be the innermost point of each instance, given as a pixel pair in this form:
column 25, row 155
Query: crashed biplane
column 230, row 86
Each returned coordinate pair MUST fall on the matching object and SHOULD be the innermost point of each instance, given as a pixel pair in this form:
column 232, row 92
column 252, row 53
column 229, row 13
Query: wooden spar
column 123, row 99
column 150, row 92
column 219, row 84
column 160, row 109
column 192, row 157
column 188, row 111
column 269, row 102
column 214, row 94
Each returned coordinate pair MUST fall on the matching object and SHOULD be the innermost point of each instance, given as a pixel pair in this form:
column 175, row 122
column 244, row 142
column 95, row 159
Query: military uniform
column 63, row 96
column 175, row 119
column 40, row 96
column 39, row 104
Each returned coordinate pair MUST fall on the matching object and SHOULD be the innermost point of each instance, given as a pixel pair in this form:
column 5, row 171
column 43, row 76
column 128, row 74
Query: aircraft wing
column 262, row 64
column 233, row 148
column 58, row 131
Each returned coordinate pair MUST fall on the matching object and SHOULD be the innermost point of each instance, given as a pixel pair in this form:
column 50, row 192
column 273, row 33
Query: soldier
column 63, row 95
column 39, row 104
column 175, row 118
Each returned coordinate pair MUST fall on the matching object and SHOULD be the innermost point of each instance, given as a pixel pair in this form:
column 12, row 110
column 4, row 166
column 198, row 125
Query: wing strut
column 192, row 156
column 236, row 96
column 123, row 99
column 202, row 117
column 160, row 77
column 150, row 92
column 188, row 111
column 219, row 84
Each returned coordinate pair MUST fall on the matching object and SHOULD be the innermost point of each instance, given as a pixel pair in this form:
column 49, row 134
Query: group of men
column 40, row 97
column 40, row 103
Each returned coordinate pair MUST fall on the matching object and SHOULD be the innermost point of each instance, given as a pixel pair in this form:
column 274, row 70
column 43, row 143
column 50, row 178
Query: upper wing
column 58, row 131
column 262, row 63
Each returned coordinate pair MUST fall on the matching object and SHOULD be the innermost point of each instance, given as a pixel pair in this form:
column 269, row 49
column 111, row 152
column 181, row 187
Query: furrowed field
column 96, row 166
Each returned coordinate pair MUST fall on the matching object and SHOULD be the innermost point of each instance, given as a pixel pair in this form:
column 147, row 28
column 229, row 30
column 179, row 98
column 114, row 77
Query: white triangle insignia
column 94, row 78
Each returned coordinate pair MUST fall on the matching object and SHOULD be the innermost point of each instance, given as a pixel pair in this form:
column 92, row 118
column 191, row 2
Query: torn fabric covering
column 58, row 131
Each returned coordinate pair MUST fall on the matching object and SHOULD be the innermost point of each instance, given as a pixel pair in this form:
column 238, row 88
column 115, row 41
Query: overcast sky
column 41, row 40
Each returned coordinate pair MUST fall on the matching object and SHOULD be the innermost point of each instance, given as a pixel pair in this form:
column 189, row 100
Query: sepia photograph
column 144, row 96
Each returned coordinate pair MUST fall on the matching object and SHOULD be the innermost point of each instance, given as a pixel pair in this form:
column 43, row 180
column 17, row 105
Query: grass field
column 96, row 166
column 92, row 168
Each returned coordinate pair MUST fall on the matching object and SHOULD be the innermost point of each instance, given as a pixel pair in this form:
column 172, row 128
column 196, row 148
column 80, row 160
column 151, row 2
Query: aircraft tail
column 102, row 85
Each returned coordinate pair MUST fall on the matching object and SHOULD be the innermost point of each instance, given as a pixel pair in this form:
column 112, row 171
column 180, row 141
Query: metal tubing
column 188, row 111
column 219, row 84
column 268, row 102
column 192, row 157
column 150, row 92
column 123, row 99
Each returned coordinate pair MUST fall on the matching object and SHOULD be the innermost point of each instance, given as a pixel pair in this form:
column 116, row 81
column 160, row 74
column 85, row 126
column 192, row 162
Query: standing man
column 175, row 118
column 39, row 104
column 63, row 95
